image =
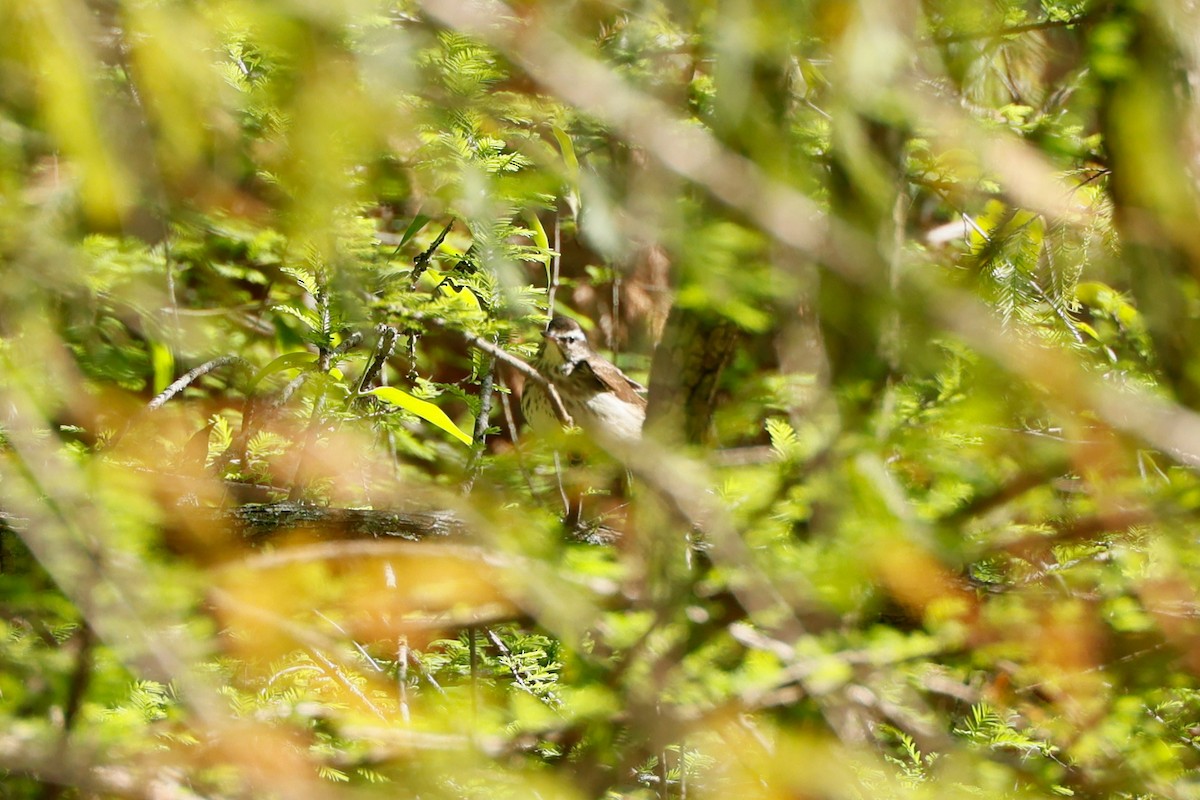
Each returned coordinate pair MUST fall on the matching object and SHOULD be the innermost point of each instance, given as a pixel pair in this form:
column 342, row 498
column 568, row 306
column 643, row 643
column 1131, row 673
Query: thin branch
column 549, row 698
column 325, row 361
column 411, row 355
column 175, row 388
column 324, row 352
column 421, row 262
column 402, row 678
column 508, row 358
column 479, row 436
column 510, row 421
column 383, row 350
column 336, row 673
column 555, row 263
column 473, row 649
column 299, row 480
column 1012, row 30
column 362, row 651
column 190, row 377
column 285, row 394
column 305, row 637
column 415, row 657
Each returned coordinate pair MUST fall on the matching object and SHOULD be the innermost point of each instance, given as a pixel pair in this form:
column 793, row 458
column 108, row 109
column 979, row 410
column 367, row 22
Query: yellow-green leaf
column 460, row 296
column 539, row 232
column 568, row 151
column 1088, row 329
column 163, row 361
column 422, row 408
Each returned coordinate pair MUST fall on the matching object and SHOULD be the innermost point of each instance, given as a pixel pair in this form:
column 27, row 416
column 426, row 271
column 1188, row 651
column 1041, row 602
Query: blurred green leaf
column 297, row 360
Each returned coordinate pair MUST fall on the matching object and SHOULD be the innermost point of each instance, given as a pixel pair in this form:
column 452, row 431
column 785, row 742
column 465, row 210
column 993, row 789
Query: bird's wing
column 637, row 387
column 610, row 378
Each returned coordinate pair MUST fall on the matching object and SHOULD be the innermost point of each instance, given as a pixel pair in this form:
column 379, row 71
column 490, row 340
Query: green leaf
column 305, row 279
column 572, row 162
column 302, row 314
column 422, row 408
column 295, row 360
column 414, row 227
column 568, row 151
column 539, row 232
column 784, row 441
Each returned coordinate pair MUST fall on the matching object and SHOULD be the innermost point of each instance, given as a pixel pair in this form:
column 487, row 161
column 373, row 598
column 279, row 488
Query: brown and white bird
column 602, row 399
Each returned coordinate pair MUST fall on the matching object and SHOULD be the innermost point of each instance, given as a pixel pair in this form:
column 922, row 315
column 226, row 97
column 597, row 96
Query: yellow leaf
column 461, row 297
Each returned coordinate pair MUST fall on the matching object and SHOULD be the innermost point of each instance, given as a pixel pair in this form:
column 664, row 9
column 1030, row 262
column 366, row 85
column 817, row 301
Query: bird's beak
column 546, row 334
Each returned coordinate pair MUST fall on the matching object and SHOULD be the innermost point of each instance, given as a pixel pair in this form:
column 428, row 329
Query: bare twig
column 285, row 394
column 190, row 377
column 508, row 358
column 402, row 678
column 473, row 650
column 336, row 673
column 362, row 651
column 421, row 262
column 549, row 698
column 175, row 388
column 312, row 642
column 325, row 353
column 486, row 386
column 411, row 354
column 1012, row 30
column 383, row 350
column 555, row 264
column 511, row 422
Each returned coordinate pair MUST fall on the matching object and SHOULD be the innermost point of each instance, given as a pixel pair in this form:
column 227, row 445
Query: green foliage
column 940, row 541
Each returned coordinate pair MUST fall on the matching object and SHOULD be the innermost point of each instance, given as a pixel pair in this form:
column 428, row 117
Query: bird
column 602, row 400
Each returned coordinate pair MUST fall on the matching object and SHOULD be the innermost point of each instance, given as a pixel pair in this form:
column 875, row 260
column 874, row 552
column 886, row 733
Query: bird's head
column 566, row 340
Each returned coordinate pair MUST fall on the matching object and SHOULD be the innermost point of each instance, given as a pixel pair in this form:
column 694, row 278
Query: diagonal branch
column 1000, row 33
column 502, row 355
column 191, row 376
